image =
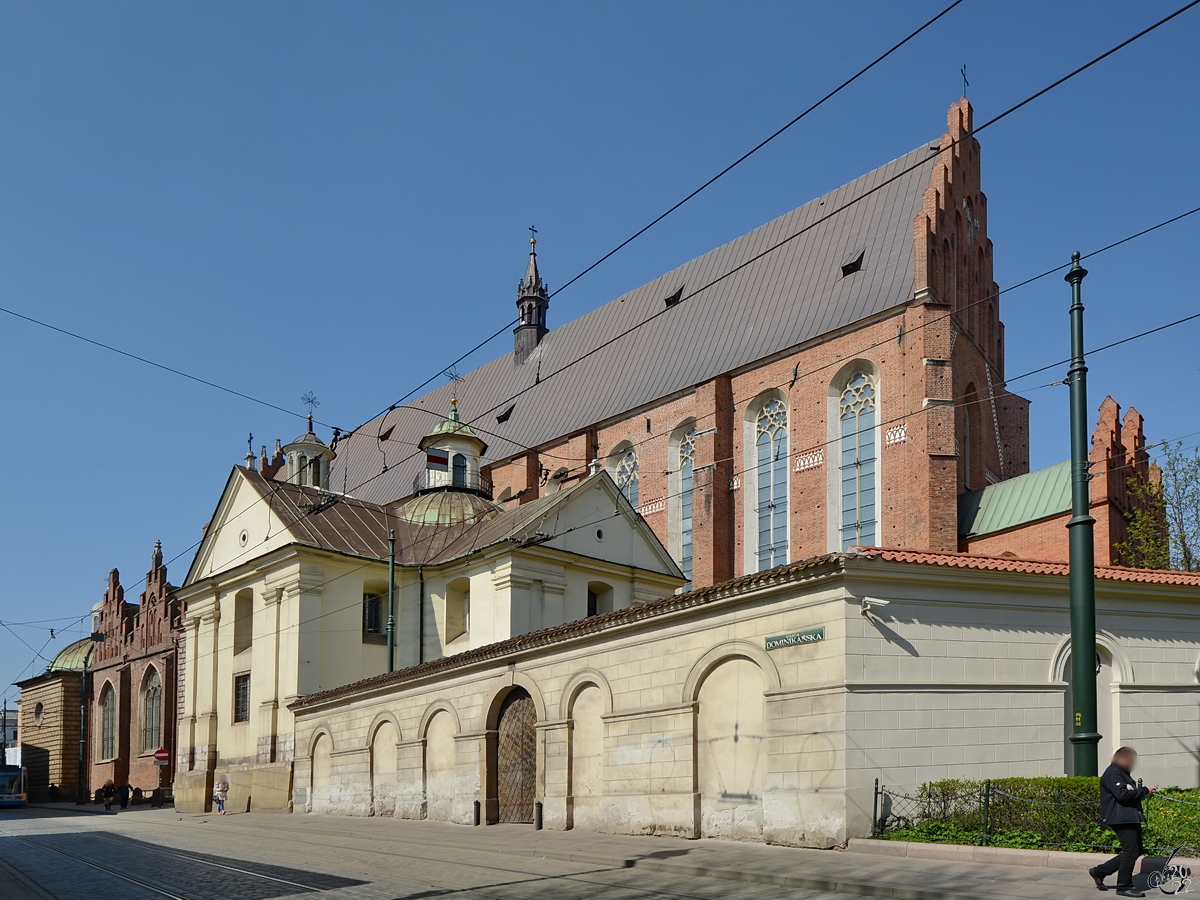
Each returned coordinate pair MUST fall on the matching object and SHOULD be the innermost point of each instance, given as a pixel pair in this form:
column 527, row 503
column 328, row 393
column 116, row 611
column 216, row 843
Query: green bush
column 1051, row 813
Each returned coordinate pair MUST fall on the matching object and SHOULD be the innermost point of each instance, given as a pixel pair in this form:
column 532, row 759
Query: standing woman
column 221, row 794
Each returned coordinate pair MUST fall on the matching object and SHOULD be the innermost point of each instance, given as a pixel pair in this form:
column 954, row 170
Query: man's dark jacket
column 1120, row 797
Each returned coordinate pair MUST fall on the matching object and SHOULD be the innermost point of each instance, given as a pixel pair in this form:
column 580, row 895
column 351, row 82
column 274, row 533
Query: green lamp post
column 1084, row 737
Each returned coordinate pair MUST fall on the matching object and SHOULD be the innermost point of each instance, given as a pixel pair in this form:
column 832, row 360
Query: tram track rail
column 357, row 847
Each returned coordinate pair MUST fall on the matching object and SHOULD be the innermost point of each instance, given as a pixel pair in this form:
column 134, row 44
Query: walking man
column 1121, row 810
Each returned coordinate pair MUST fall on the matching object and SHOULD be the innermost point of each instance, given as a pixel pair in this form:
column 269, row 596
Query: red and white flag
column 437, row 460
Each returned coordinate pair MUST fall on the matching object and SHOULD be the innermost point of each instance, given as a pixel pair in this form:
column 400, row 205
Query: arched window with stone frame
column 854, row 481
column 623, row 467
column 682, row 471
column 107, row 745
column 766, row 482
column 152, row 711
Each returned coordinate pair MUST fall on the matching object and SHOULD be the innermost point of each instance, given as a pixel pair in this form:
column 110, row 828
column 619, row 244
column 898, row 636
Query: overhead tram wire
column 741, row 471
column 792, row 454
column 150, row 362
column 608, row 516
column 1005, row 382
column 867, row 348
column 858, row 199
column 725, row 171
column 774, row 247
column 244, row 396
column 897, row 419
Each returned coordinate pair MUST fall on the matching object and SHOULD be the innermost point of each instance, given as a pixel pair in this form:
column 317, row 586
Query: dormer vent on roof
column 533, row 299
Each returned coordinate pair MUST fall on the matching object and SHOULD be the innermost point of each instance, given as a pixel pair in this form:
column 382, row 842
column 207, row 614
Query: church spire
column 533, row 299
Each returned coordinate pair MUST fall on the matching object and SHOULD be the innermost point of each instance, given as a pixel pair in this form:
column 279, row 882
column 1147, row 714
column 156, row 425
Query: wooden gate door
column 516, row 757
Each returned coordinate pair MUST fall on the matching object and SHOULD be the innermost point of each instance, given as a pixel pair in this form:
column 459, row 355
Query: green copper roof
column 452, row 425
column 448, row 507
column 73, row 657
column 1026, row 498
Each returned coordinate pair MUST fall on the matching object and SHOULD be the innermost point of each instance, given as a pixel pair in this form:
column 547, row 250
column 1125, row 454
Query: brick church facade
column 134, row 682
column 834, row 378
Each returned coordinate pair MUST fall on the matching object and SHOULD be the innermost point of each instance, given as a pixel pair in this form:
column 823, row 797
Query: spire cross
column 532, row 236
column 250, row 443
column 963, row 71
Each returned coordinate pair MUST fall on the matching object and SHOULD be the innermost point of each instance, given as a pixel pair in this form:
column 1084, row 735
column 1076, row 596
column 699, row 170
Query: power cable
column 858, row 199
column 949, row 146
column 867, row 348
column 792, row 454
column 157, row 365
column 869, row 192
column 729, row 168
column 241, row 394
column 893, row 421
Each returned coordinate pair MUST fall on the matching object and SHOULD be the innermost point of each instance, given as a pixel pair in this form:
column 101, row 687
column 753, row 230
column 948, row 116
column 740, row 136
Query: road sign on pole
column 162, row 757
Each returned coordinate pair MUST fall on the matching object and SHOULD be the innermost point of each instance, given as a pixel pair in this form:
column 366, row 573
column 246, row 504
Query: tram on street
column 13, row 785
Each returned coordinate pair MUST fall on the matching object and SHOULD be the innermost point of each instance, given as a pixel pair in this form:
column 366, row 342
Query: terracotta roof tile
column 781, row 574
column 590, row 625
column 1028, row 566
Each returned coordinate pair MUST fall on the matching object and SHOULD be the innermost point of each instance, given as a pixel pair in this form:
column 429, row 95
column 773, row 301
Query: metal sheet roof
column 1026, row 498
column 360, row 528
column 588, row 370
column 72, row 658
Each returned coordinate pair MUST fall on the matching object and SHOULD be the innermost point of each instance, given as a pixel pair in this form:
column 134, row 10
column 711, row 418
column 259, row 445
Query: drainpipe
column 391, row 623
column 421, row 617
column 82, row 796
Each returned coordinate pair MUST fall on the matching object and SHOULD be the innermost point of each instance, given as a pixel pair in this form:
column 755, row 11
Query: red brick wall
column 928, row 353
column 135, row 638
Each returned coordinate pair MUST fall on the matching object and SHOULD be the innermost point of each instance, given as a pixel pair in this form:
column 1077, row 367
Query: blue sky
column 292, row 197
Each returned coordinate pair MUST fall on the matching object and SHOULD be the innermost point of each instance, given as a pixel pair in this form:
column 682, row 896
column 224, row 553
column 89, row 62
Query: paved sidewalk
column 850, row 873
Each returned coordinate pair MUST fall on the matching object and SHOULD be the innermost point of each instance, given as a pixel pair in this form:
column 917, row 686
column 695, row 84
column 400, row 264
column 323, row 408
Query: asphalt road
column 156, row 854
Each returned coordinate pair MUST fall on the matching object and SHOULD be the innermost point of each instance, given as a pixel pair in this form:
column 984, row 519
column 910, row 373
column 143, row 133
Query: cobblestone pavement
column 142, row 853
column 155, row 854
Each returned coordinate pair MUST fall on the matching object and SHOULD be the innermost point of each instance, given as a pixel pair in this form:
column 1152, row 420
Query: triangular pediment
column 243, row 527
column 594, row 519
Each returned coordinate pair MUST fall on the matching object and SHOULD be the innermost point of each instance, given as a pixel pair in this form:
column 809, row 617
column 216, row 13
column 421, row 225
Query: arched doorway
column 731, row 750
column 516, row 757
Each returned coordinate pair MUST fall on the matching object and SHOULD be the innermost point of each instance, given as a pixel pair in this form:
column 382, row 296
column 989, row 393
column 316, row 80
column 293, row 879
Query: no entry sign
column 161, row 757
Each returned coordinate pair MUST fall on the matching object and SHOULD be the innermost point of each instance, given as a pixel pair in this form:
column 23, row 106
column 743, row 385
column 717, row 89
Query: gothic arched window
column 857, row 407
column 108, row 723
column 460, row 470
column 687, row 463
column 623, row 466
column 152, row 712
column 771, row 467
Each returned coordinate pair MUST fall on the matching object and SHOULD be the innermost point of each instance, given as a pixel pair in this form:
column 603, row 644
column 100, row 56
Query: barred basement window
column 372, row 614
column 241, row 698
